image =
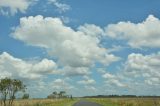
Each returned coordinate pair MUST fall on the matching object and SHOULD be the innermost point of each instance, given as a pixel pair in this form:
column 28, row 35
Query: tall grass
column 127, row 101
column 44, row 102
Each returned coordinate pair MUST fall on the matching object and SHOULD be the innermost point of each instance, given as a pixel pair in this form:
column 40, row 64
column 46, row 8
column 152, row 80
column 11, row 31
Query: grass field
column 44, row 102
column 102, row 101
column 126, row 101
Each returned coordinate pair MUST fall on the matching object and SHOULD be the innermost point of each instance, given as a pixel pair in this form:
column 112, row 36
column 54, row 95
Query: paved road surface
column 86, row 103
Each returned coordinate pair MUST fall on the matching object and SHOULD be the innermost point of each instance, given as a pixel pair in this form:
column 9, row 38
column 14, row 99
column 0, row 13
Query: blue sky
column 84, row 47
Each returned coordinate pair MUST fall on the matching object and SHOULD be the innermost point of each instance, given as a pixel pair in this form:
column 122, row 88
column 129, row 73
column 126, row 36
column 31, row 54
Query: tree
column 71, row 97
column 62, row 94
column 4, row 89
column 25, row 96
column 55, row 94
column 9, row 87
column 16, row 86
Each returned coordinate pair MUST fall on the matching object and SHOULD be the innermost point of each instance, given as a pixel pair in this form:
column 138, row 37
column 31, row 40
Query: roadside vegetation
column 45, row 102
column 10, row 87
column 126, row 101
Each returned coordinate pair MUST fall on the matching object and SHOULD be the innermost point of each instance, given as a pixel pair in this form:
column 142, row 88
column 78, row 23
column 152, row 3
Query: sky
column 83, row 47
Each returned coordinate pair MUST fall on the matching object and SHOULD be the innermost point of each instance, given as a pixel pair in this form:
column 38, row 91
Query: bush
column 25, row 96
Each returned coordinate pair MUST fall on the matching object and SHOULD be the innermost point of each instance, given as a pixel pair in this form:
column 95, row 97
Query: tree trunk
column 12, row 102
column 12, row 98
column 4, row 100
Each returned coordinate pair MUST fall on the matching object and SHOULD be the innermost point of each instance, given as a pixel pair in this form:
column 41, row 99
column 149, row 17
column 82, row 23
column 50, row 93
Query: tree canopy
column 8, row 89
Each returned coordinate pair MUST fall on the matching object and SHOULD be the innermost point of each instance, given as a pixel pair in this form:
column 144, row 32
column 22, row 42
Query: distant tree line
column 120, row 96
column 8, row 89
column 57, row 95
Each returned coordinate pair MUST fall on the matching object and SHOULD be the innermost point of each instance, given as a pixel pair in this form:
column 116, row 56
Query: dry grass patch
column 127, row 101
column 44, row 102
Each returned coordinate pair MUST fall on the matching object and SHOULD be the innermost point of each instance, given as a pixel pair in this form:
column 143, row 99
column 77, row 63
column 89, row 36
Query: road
column 86, row 103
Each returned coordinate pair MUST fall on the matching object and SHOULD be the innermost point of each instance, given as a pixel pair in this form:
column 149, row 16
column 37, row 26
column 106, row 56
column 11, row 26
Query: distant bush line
column 120, row 96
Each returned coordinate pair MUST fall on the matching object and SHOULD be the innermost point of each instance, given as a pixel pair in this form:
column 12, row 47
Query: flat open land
column 90, row 102
column 126, row 101
column 86, row 103
column 44, row 102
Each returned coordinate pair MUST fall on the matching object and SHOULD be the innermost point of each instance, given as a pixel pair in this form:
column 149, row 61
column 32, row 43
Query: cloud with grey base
column 137, row 35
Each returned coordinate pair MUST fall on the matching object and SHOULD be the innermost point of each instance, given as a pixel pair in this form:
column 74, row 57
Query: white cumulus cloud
column 11, row 7
column 75, row 71
column 113, row 80
column 87, row 81
column 143, row 66
column 72, row 48
column 61, row 7
column 138, row 35
column 17, row 68
column 91, row 29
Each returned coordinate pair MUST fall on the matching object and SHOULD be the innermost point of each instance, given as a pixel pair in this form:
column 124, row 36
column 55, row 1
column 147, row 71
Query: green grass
column 102, row 101
column 126, row 101
column 64, row 102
